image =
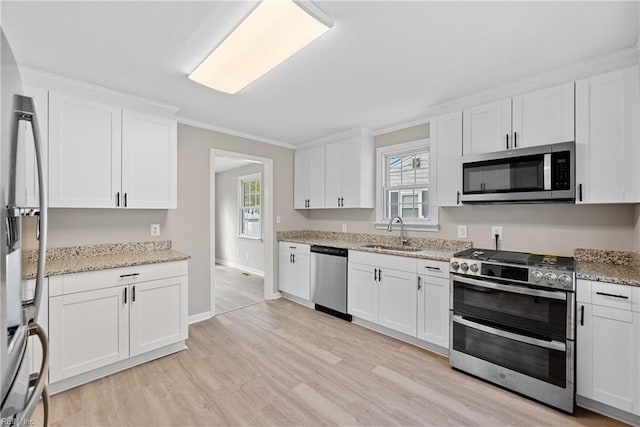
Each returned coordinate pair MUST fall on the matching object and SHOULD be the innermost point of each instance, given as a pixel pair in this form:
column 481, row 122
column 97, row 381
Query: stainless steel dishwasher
column 329, row 280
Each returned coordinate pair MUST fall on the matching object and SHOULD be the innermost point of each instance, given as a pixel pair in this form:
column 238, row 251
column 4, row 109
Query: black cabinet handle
column 432, row 268
column 118, row 199
column 419, row 283
column 458, row 198
column 125, row 200
column 582, row 316
column 515, row 139
column 580, row 192
column 294, row 258
column 125, row 295
column 379, row 275
column 290, row 257
column 133, row 294
column 507, row 141
column 342, row 202
column 130, row 275
column 612, row 295
column 375, row 274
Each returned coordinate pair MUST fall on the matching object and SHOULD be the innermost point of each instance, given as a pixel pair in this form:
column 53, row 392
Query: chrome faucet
column 403, row 240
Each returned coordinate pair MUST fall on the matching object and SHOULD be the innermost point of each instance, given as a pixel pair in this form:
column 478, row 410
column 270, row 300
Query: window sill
column 256, row 239
column 409, row 226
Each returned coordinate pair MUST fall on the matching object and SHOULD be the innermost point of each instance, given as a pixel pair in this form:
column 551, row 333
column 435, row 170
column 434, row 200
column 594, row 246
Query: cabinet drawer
column 384, row 261
column 611, row 295
column 298, row 248
column 430, row 267
column 92, row 280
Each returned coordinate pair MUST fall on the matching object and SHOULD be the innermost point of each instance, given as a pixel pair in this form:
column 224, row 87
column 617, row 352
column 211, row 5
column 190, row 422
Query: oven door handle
column 515, row 289
column 553, row 345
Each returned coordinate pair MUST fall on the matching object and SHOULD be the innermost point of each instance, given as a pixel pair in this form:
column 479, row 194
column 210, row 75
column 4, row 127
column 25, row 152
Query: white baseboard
column 240, row 267
column 301, row 301
column 199, row 317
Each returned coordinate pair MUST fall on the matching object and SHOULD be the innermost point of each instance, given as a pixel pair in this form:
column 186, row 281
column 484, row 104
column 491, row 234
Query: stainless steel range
column 512, row 322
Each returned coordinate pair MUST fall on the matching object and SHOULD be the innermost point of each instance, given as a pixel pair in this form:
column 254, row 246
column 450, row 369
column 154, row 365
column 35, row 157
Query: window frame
column 428, row 224
column 241, row 180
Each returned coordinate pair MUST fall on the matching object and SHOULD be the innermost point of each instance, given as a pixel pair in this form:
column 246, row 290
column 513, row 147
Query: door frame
column 267, row 221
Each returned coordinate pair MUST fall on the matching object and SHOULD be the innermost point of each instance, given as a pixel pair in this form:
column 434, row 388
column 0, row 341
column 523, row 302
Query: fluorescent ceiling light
column 273, row 31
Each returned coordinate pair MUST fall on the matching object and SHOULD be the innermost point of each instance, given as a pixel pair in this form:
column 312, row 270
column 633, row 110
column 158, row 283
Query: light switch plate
column 155, row 230
column 278, row 219
column 462, row 231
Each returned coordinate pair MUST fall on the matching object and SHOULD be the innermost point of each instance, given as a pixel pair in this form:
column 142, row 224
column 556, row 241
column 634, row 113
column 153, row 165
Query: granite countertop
column 434, row 249
column 78, row 259
column 618, row 267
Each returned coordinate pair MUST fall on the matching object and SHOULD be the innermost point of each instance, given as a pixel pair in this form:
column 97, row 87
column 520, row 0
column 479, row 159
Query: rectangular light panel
column 273, row 31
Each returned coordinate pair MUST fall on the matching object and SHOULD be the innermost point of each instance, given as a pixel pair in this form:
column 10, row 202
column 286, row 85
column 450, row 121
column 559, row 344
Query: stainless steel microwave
column 535, row 174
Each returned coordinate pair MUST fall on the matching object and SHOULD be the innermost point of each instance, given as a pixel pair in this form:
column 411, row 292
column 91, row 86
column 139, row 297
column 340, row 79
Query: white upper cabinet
column 27, row 188
column 544, row 117
column 446, row 134
column 608, row 137
column 537, row 118
column 309, row 178
column 487, row 128
column 84, row 152
column 336, row 173
column 149, row 161
column 101, row 156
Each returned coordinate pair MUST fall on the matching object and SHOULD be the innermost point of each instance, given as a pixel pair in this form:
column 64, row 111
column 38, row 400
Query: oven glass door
column 542, row 359
column 506, row 175
column 540, row 311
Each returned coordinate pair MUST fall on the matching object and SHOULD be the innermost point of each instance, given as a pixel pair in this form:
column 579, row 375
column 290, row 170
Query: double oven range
column 512, row 322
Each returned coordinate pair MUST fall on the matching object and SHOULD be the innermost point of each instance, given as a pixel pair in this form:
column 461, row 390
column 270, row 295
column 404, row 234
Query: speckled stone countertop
column 435, row 249
column 76, row 259
column 618, row 267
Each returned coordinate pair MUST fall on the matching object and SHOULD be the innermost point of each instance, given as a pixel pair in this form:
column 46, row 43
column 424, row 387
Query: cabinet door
column 316, row 173
column 446, row 131
column 614, row 337
column 584, row 350
column 149, row 161
column 398, row 301
column 333, row 175
column 544, row 117
column 84, row 153
column 350, row 173
column 607, row 134
column 433, row 310
column 158, row 314
column 285, row 267
column 487, row 128
column 27, row 188
column 87, row 330
column 301, row 179
column 362, row 292
column 302, row 276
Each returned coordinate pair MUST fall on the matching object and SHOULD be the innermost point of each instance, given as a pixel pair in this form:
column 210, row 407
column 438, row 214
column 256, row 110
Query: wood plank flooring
column 236, row 289
column 278, row 363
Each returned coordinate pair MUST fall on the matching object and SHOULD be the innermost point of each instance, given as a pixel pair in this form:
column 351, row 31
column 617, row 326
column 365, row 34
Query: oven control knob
column 565, row 280
column 550, row 277
column 473, row 268
column 454, row 265
column 464, row 266
column 536, row 276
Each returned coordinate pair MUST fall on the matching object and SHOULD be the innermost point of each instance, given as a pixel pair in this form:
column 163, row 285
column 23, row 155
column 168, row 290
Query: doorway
column 241, row 230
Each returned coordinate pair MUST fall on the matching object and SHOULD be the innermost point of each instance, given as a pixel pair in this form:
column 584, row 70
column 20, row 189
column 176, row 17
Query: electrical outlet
column 462, row 231
column 278, row 219
column 344, row 228
column 495, row 229
column 155, row 230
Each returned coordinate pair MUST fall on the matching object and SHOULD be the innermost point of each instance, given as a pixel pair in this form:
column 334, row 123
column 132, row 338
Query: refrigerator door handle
column 39, row 387
column 27, row 112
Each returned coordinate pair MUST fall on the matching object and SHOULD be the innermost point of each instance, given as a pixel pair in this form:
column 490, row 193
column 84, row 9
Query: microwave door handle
column 547, row 171
column 514, row 289
column 553, row 345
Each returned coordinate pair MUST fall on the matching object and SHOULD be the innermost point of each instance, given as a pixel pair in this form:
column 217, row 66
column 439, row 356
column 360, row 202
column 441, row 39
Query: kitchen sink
column 392, row 248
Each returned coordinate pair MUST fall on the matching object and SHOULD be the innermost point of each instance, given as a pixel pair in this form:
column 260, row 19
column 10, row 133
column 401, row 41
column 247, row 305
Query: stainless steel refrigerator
column 20, row 390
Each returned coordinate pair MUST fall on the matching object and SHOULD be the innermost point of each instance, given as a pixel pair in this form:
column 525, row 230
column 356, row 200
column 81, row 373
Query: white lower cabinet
column 608, row 336
column 119, row 316
column 433, row 310
column 295, row 269
column 362, row 292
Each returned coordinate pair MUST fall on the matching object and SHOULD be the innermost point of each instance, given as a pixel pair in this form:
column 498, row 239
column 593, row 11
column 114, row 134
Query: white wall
column 231, row 249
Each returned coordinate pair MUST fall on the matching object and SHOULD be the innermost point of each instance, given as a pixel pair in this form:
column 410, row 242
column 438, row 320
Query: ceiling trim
column 232, row 132
column 39, row 74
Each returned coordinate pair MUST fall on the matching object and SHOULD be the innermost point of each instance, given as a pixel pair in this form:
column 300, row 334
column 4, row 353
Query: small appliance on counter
column 512, row 322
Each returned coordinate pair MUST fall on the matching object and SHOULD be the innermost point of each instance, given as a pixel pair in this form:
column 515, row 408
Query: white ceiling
column 384, row 62
column 223, row 164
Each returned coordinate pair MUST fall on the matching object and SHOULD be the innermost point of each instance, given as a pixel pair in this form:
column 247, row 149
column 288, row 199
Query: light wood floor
column 236, row 289
column 278, row 363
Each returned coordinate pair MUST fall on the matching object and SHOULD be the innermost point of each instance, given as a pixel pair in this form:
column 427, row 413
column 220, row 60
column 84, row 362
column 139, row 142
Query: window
column 406, row 185
column 250, row 199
